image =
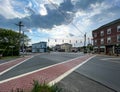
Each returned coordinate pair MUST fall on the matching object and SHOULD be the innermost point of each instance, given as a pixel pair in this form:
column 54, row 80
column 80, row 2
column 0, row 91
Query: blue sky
column 66, row 20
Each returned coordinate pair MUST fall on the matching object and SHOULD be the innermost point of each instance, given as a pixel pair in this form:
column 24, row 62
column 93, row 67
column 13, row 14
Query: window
column 102, row 33
column 95, row 41
column 118, row 38
column 109, row 31
column 102, row 41
column 118, row 28
column 95, row 34
column 109, row 40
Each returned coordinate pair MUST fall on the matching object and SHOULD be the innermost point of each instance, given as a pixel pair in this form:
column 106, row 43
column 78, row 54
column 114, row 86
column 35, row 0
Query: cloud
column 51, row 16
column 11, row 9
column 83, row 13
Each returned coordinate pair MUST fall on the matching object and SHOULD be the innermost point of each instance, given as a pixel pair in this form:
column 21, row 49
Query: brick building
column 106, row 39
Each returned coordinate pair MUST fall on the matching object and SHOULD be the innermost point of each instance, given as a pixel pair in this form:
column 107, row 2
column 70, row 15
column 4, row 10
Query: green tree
column 9, row 42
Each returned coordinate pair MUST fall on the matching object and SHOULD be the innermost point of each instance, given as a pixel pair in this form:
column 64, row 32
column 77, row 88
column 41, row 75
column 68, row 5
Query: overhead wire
column 65, row 16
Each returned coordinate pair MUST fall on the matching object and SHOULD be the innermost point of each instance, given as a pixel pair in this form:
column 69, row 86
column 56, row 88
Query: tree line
column 11, row 42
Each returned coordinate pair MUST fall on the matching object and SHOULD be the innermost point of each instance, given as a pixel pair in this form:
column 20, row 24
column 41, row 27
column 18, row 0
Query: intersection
column 53, row 67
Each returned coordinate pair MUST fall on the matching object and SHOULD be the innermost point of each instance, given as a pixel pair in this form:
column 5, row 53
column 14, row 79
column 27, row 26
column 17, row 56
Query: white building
column 39, row 47
column 66, row 47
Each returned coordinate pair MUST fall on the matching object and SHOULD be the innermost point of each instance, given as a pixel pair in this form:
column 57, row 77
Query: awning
column 95, row 47
column 102, row 46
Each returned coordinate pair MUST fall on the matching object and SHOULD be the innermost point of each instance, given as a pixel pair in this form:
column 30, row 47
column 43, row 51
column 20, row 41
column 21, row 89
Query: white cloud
column 60, row 33
column 84, row 18
column 43, row 10
column 7, row 10
column 98, row 8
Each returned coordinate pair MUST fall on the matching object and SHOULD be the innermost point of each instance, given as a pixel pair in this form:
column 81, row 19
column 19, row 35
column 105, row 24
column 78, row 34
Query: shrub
column 41, row 87
column 44, row 87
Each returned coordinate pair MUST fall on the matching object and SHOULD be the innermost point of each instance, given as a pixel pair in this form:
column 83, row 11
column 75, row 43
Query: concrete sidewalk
column 75, row 82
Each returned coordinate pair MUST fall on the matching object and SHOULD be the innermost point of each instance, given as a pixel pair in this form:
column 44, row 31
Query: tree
column 9, row 42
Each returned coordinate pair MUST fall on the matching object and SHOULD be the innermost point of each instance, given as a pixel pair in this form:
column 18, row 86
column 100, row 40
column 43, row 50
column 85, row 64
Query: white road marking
column 37, row 70
column 68, row 72
column 14, row 66
column 110, row 59
column 9, row 61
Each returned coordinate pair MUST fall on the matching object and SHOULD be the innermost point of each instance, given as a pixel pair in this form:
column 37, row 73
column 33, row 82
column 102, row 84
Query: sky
column 58, row 21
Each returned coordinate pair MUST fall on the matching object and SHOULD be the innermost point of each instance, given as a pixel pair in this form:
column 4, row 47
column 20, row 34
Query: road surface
column 37, row 62
column 103, row 69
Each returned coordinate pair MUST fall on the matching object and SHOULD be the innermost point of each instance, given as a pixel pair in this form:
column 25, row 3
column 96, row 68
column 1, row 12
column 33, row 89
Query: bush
column 43, row 87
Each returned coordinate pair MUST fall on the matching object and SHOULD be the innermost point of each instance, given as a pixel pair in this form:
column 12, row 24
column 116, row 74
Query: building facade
column 66, row 47
column 57, row 48
column 39, row 47
column 106, row 39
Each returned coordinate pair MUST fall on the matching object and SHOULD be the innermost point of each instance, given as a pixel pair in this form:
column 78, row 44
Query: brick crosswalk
column 5, row 66
column 45, row 75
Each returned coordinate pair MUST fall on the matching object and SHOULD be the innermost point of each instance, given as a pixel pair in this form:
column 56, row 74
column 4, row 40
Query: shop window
column 102, row 50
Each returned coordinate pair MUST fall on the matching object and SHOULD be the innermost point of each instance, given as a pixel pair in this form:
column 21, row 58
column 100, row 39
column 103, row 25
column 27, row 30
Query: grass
column 41, row 87
column 9, row 57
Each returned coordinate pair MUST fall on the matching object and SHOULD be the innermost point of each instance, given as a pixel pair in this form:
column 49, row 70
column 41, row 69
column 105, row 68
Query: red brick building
column 106, row 39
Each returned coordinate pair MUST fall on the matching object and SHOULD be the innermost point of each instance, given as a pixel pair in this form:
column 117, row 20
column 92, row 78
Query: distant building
column 74, row 49
column 57, row 47
column 106, row 39
column 39, row 47
column 66, row 47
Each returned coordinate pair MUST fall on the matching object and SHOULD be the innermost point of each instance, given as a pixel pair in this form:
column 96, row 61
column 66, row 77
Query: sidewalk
column 76, row 82
column 49, row 75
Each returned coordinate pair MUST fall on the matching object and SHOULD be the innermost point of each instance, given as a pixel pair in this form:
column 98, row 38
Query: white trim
column 14, row 66
column 68, row 72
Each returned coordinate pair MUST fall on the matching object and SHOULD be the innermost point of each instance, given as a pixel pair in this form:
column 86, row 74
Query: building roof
column 108, row 24
column 39, row 43
column 66, row 44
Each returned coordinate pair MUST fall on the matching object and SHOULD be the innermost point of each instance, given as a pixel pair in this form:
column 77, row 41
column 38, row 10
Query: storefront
column 102, row 50
column 95, row 49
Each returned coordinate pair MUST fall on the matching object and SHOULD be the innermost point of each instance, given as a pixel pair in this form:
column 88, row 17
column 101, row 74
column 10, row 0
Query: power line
column 65, row 16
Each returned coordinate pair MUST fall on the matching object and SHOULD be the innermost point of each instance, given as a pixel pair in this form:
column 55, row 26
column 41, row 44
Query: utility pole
column 20, row 25
column 85, row 43
column 88, row 40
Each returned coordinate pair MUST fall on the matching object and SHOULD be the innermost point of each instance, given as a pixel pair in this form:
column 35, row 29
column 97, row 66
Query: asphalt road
column 75, row 82
column 103, row 69
column 38, row 62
